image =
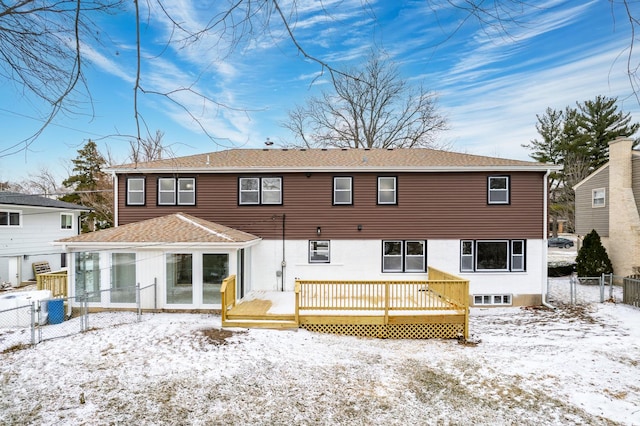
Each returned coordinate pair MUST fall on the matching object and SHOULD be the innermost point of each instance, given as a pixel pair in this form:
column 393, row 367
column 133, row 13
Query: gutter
column 545, row 265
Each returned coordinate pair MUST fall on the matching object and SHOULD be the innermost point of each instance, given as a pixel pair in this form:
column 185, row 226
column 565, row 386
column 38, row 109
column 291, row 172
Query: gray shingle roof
column 16, row 198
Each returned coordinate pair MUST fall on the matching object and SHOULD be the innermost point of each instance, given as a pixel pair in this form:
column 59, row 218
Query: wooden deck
column 437, row 308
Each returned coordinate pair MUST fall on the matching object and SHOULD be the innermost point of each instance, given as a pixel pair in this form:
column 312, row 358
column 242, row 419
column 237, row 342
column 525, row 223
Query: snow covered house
column 28, row 225
column 274, row 216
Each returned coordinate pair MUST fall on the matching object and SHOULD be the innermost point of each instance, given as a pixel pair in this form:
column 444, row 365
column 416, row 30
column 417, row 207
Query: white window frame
column 319, row 254
column 265, row 190
column 10, row 214
column 491, row 191
column 337, row 190
column 62, row 221
column 138, row 192
column 394, row 190
column 511, row 255
column 171, row 192
column 492, row 299
column 261, row 191
column 186, row 191
column 408, row 256
column 518, row 256
column 598, row 198
column 403, row 256
column 248, row 191
column 467, row 251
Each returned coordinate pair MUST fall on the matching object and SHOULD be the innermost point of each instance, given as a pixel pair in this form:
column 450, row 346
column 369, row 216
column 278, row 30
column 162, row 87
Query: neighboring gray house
column 608, row 200
column 28, row 226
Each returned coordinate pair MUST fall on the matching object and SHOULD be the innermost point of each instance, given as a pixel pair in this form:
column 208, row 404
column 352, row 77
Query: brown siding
column 587, row 217
column 430, row 206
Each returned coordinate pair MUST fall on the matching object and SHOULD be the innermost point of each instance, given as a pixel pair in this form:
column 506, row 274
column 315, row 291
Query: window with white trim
column 342, row 190
column 260, row 190
column 180, row 191
column 135, row 191
column 404, row 256
column 492, row 299
column 498, row 190
column 66, row 221
column 387, row 190
column 10, row 218
column 319, row 251
column 598, row 197
column 493, row 256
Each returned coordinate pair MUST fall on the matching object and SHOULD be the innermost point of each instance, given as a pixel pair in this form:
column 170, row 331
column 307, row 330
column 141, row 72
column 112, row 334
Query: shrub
column 593, row 260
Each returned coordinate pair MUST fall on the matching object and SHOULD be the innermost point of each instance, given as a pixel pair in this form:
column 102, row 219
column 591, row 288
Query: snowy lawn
column 576, row 365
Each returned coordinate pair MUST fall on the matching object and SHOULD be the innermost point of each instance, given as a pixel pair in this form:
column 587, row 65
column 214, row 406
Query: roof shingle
column 326, row 159
column 174, row 228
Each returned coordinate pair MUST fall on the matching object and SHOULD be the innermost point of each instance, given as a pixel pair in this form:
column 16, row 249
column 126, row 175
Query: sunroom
column 175, row 262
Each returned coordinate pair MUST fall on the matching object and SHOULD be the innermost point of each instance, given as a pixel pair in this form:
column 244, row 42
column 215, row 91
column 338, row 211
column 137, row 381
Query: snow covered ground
column 575, row 365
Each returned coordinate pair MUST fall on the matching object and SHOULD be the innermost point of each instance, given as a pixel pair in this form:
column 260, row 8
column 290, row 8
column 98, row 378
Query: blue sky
column 490, row 85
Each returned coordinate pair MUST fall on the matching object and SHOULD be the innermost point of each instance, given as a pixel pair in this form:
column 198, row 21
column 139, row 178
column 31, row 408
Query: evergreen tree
column 592, row 259
column 91, row 188
column 599, row 122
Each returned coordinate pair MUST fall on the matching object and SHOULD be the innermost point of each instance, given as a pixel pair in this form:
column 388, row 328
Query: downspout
column 545, row 250
column 115, row 198
column 283, row 264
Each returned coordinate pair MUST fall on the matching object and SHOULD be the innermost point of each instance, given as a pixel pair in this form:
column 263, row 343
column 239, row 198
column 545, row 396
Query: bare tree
column 368, row 108
column 149, row 149
column 43, row 183
column 44, row 45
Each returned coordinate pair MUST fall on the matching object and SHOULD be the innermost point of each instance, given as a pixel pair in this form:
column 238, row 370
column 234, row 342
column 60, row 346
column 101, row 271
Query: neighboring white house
column 28, row 225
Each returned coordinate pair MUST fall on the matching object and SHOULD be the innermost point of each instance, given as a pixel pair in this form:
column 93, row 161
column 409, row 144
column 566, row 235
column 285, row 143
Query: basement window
column 492, row 299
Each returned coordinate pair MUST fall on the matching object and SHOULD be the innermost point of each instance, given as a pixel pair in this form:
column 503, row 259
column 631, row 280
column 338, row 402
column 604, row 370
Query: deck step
column 260, row 323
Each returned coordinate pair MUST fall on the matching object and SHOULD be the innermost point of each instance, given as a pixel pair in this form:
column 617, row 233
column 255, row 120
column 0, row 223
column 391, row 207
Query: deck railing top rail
column 441, row 291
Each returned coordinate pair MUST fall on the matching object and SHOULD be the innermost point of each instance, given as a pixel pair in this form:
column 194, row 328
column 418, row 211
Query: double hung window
column 342, row 190
column 135, row 191
column 498, row 190
column 180, row 191
column 260, row 190
column 598, row 197
column 404, row 256
column 387, row 190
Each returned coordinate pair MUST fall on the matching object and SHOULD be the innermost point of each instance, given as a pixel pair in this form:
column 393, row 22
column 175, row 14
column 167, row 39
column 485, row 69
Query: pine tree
column 599, row 122
column 91, row 188
column 592, row 259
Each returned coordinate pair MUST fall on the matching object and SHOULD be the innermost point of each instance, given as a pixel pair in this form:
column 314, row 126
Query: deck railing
column 55, row 281
column 227, row 295
column 442, row 291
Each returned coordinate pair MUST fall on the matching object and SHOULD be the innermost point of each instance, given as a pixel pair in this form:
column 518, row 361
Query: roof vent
column 367, row 149
column 324, row 149
column 303, row 149
column 389, row 149
column 285, row 149
column 345, row 149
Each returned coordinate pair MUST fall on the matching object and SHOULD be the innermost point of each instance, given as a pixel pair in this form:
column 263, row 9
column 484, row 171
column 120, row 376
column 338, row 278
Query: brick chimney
column 624, row 220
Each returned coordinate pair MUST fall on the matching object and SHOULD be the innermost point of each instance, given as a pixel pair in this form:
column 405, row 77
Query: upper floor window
column 319, row 251
column 172, row 191
column 260, row 190
column 598, row 197
column 492, row 255
column 498, row 190
column 387, row 190
column 66, row 221
column 9, row 218
column 404, row 256
column 342, row 190
column 135, row 191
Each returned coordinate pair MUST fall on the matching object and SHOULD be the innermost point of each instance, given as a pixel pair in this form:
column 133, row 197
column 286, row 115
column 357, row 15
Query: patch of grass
column 15, row 348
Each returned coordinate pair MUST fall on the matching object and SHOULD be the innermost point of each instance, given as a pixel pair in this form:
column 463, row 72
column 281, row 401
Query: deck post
column 386, row 302
column 297, row 307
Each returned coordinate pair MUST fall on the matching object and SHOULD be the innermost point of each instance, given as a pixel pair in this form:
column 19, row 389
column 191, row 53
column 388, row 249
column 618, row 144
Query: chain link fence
column 576, row 290
column 28, row 318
